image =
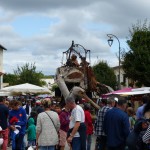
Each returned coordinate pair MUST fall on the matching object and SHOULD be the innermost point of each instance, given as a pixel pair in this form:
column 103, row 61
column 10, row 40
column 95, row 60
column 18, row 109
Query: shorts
column 62, row 138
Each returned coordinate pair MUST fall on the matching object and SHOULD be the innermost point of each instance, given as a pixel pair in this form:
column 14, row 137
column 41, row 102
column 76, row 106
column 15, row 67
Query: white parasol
column 26, row 88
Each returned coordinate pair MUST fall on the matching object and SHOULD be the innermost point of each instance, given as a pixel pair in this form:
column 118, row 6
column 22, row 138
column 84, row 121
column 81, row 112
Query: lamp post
column 110, row 42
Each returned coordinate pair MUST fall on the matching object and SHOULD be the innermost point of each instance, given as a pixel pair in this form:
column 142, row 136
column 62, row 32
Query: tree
column 136, row 62
column 104, row 74
column 54, row 86
column 28, row 74
column 10, row 78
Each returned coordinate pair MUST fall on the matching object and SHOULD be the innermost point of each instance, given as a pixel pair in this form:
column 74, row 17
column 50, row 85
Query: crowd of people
column 120, row 127
column 49, row 127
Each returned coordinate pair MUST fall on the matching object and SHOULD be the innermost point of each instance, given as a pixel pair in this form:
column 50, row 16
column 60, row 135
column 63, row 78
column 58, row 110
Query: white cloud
column 86, row 22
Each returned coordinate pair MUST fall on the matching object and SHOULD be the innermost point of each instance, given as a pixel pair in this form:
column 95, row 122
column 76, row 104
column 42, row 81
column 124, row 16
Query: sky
column 38, row 31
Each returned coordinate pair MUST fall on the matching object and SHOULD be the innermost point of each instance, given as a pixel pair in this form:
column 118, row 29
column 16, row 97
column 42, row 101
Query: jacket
column 48, row 132
column 31, row 130
column 116, row 126
column 88, row 122
column 20, row 114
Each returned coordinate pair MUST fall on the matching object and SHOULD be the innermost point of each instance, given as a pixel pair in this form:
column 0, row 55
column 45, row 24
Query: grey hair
column 70, row 99
column 110, row 100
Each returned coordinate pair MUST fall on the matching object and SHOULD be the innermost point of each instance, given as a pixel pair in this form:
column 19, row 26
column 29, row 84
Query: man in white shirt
column 77, row 134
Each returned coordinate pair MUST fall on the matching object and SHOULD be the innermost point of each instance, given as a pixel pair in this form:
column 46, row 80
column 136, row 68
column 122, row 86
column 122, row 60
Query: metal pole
column 110, row 36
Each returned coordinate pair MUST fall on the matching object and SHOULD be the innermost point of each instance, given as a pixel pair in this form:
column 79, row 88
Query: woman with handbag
column 47, row 128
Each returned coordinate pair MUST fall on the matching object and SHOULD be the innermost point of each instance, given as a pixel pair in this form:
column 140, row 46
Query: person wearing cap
column 116, row 126
column 4, row 112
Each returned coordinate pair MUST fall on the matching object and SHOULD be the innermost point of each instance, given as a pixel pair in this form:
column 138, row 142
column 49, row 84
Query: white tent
column 136, row 91
column 142, row 89
column 26, row 88
column 5, row 94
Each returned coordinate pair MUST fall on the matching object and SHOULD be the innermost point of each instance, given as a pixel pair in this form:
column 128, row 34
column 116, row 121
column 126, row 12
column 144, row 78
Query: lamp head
column 110, row 41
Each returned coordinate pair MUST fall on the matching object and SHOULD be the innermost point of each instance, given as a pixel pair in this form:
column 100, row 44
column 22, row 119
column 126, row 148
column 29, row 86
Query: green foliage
column 28, row 74
column 10, row 78
column 54, row 87
column 104, row 74
column 136, row 62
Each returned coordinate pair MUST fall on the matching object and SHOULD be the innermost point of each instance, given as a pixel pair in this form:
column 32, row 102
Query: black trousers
column 19, row 142
column 101, row 142
column 120, row 147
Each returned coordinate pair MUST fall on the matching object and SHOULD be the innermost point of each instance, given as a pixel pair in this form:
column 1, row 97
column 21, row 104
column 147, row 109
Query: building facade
column 1, row 65
column 124, row 81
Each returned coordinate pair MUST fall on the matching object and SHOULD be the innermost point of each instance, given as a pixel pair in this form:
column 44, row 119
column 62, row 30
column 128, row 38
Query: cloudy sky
column 38, row 31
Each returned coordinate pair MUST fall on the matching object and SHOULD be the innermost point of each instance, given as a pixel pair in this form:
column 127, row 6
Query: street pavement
column 67, row 147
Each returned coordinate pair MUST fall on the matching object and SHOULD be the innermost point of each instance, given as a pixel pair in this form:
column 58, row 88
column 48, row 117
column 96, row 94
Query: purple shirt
column 64, row 120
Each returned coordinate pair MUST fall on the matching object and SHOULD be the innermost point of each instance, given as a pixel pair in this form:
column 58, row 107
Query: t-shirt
column 139, row 113
column 77, row 114
column 4, row 112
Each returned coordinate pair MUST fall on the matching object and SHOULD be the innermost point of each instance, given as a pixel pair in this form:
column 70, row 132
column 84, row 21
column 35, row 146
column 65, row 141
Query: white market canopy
column 5, row 93
column 136, row 91
column 131, row 91
column 26, row 88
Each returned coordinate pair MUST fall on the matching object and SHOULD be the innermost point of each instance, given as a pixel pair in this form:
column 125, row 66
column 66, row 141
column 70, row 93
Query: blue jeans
column 47, row 147
column 76, row 143
column 89, row 141
column 19, row 142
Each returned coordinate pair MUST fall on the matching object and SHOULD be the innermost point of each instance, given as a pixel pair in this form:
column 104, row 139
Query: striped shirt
column 99, row 121
column 146, row 136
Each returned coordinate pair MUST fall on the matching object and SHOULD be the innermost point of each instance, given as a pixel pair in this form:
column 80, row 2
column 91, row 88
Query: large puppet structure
column 76, row 71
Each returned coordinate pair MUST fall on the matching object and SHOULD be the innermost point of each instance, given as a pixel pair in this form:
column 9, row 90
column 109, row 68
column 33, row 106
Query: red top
column 64, row 120
column 88, row 122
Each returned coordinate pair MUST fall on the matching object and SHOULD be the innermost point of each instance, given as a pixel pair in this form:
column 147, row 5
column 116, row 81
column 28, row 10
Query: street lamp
column 110, row 42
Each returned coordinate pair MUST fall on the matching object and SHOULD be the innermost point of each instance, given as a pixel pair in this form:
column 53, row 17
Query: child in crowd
column 31, row 132
column 131, row 113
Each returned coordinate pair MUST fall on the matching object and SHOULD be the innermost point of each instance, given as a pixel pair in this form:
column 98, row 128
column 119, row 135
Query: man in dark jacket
column 3, row 123
column 116, row 126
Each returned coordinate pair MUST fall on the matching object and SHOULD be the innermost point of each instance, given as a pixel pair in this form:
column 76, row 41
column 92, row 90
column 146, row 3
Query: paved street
column 67, row 148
